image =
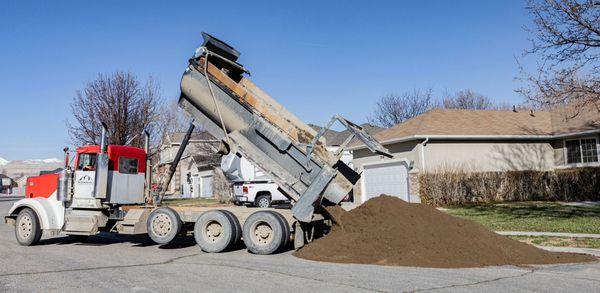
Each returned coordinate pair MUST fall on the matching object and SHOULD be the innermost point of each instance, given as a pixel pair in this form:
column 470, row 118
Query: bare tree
column 566, row 39
column 393, row 109
column 471, row 100
column 122, row 102
column 173, row 119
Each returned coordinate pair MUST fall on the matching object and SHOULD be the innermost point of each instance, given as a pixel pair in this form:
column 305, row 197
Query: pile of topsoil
column 389, row 231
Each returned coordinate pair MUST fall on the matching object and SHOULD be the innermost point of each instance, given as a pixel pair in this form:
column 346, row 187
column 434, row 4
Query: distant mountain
column 51, row 160
column 3, row 161
column 20, row 168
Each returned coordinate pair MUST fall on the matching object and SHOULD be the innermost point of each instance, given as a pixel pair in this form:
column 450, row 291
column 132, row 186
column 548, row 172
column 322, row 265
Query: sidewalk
column 549, row 234
column 592, row 251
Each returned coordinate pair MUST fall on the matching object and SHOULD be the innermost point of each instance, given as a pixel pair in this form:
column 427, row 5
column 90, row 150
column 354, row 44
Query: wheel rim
column 161, row 225
column 263, row 202
column 262, row 233
column 25, row 227
column 213, row 231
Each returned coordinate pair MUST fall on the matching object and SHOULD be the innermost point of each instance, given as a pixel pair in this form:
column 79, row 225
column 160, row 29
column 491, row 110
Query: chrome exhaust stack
column 101, row 182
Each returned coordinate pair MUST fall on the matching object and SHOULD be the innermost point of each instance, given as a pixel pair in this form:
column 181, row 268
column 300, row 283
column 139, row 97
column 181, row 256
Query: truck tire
column 263, row 233
column 163, row 225
column 263, row 201
column 286, row 228
column 214, row 231
column 28, row 230
column 236, row 225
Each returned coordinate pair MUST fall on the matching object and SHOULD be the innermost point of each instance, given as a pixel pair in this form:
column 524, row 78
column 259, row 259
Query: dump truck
column 108, row 188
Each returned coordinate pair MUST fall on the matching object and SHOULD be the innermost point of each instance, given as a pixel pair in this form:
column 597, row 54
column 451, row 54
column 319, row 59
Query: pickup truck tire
column 263, row 233
column 237, row 227
column 28, row 230
column 286, row 228
column 263, row 201
column 214, row 231
column 163, row 225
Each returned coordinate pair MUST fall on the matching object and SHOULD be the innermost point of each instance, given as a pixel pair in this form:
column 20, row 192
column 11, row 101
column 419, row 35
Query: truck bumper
column 241, row 199
column 9, row 220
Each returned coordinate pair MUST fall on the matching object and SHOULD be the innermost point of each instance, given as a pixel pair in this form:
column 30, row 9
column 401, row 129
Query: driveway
column 109, row 263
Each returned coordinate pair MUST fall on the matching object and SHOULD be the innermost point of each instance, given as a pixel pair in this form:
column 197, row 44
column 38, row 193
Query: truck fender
column 49, row 212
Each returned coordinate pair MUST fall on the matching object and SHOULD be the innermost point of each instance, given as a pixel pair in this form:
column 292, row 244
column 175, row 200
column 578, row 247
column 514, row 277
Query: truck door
column 85, row 173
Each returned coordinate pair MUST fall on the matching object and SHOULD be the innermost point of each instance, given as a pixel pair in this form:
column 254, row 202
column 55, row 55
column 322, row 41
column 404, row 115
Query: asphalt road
column 127, row 264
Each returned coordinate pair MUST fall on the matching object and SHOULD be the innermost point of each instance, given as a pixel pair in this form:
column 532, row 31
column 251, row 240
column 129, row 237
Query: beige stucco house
column 476, row 141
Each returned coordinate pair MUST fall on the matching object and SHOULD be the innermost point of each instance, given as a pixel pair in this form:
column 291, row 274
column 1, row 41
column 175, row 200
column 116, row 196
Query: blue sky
column 317, row 58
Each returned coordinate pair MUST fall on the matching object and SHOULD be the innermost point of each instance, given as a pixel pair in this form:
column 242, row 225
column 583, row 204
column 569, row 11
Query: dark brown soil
column 389, row 231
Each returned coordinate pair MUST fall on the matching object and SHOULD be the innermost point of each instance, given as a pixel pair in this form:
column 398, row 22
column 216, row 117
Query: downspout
column 423, row 144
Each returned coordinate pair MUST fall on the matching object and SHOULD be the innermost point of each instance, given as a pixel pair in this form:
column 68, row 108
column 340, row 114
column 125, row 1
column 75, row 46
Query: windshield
column 86, row 162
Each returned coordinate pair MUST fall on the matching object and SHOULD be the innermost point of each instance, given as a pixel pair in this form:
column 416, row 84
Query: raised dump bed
column 217, row 94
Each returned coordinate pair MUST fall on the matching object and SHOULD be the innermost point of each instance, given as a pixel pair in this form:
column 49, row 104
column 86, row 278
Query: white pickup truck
column 258, row 193
column 251, row 186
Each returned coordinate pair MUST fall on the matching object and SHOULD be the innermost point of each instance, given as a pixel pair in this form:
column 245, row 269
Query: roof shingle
column 492, row 122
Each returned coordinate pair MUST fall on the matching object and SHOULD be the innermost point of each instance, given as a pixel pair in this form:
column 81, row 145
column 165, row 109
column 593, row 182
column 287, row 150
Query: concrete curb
column 592, row 251
column 550, row 234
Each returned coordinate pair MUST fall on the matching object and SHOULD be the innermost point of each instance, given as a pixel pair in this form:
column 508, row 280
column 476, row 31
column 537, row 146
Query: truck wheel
column 263, row 201
column 163, row 225
column 286, row 228
column 237, row 227
column 27, row 227
column 263, row 233
column 214, row 231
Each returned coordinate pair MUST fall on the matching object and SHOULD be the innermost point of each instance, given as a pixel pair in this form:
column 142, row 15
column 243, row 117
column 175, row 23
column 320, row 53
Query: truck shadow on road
column 104, row 239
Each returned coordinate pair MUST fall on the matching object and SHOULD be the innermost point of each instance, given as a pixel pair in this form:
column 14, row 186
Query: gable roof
column 490, row 123
column 563, row 121
column 471, row 122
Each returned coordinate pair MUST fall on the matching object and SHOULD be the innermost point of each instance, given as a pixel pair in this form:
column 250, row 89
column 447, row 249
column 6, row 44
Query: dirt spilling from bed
column 388, row 231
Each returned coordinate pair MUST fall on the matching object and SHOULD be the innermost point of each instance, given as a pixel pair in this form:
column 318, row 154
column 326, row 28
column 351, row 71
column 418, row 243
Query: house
column 197, row 174
column 476, row 141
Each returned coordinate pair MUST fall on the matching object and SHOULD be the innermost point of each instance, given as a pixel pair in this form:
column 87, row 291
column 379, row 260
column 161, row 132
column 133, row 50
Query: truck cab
column 82, row 199
column 125, row 174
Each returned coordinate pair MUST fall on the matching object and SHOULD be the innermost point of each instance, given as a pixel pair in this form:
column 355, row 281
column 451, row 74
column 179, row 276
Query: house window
column 582, row 151
column 589, row 152
column 128, row 165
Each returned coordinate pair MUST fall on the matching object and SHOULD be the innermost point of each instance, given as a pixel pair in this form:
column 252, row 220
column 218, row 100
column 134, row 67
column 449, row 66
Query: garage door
column 206, row 183
column 389, row 178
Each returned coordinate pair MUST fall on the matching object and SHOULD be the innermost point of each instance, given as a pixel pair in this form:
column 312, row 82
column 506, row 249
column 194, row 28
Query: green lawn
column 190, row 201
column 533, row 216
